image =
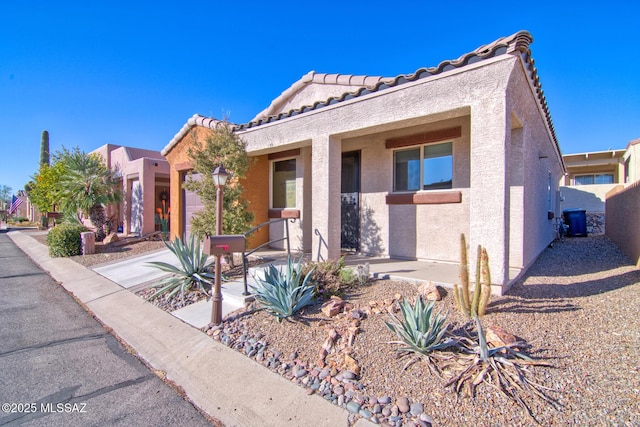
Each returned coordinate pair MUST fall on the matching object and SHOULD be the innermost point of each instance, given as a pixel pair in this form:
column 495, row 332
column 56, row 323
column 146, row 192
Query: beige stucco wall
column 591, row 198
column 423, row 231
column 535, row 171
column 479, row 93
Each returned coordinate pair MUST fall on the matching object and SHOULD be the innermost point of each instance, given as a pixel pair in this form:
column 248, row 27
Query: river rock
column 403, row 405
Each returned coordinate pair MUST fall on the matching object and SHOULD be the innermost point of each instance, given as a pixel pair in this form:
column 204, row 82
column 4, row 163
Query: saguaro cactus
column 44, row 148
column 482, row 292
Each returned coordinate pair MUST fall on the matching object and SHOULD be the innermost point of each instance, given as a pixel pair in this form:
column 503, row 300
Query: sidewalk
column 223, row 383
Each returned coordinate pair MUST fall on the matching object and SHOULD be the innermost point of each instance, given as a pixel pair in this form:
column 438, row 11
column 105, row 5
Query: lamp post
column 220, row 176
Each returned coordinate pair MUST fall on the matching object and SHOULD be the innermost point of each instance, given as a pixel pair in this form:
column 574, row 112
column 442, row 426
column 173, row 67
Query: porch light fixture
column 220, row 176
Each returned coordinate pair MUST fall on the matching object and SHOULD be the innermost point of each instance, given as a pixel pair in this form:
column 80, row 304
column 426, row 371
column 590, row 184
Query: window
column 431, row 165
column 627, row 165
column 283, row 178
column 603, row 178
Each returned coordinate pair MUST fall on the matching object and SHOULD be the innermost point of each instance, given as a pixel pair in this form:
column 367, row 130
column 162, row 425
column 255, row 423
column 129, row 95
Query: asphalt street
column 60, row 367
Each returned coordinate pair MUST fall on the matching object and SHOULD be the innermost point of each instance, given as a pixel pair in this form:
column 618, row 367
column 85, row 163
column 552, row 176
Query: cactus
column 486, row 289
column 44, row 149
column 482, row 292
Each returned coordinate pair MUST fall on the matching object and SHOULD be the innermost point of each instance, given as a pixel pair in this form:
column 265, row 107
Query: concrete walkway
column 225, row 384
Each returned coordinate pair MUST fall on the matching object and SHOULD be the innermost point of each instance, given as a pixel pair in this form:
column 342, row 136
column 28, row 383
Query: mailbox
column 225, row 244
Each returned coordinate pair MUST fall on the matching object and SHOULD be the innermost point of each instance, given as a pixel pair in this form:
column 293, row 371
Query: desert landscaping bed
column 576, row 308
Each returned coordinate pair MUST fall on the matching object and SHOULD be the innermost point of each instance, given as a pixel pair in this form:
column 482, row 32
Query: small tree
column 221, row 147
column 86, row 185
column 5, row 193
column 44, row 188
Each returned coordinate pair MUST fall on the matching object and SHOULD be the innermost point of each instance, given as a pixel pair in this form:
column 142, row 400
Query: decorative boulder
column 332, row 307
column 498, row 337
column 113, row 237
column 430, row 292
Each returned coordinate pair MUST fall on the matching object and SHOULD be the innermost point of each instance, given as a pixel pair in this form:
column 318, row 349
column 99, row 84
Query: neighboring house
column 145, row 182
column 399, row 167
column 590, row 176
column 593, row 176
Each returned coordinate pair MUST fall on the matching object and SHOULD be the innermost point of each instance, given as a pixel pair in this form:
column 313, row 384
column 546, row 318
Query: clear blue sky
column 133, row 72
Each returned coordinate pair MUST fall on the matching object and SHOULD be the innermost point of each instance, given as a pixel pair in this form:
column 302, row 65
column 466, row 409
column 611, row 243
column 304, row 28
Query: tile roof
column 323, row 79
column 195, row 120
column 517, row 43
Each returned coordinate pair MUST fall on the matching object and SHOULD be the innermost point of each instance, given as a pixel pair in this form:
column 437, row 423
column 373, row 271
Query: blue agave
column 284, row 291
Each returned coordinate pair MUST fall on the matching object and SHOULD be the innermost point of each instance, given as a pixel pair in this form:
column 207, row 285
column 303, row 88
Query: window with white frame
column 283, row 184
column 601, row 178
column 427, row 167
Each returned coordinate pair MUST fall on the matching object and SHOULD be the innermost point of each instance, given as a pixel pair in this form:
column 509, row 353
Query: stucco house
column 145, row 183
column 400, row 166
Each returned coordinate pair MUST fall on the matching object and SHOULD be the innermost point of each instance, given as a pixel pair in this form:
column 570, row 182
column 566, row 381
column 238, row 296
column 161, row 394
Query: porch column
column 489, row 199
column 326, row 163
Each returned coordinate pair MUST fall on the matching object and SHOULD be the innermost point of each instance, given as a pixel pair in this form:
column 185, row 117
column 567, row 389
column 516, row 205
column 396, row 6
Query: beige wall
column 591, row 198
column 500, row 209
column 622, row 219
column 535, row 170
column 415, row 231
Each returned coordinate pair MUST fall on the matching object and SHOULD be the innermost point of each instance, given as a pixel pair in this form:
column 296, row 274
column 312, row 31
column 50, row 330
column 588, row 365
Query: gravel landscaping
column 577, row 308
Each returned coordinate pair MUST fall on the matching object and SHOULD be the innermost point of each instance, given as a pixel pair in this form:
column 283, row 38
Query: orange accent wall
column 177, row 158
column 256, row 185
column 256, row 191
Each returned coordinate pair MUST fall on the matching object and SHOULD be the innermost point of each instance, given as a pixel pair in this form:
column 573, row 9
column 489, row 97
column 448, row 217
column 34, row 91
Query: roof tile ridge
column 349, row 79
column 517, row 42
column 195, row 120
column 285, row 95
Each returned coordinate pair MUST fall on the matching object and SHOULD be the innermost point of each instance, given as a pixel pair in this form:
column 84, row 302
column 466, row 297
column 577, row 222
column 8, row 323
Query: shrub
column 193, row 270
column 358, row 275
column 64, row 240
column 330, row 277
column 284, row 291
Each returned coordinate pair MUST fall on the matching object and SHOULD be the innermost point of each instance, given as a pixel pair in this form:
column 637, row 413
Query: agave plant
column 420, row 329
column 193, row 270
column 504, row 368
column 284, row 291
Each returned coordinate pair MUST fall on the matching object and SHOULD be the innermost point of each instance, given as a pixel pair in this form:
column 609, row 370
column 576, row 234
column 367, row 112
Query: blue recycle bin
column 576, row 219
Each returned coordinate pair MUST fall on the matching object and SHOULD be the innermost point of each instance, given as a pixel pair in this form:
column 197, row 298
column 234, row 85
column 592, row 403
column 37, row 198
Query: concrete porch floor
column 444, row 274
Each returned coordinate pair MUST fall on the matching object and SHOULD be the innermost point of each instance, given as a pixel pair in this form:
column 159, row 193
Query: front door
column 350, row 197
